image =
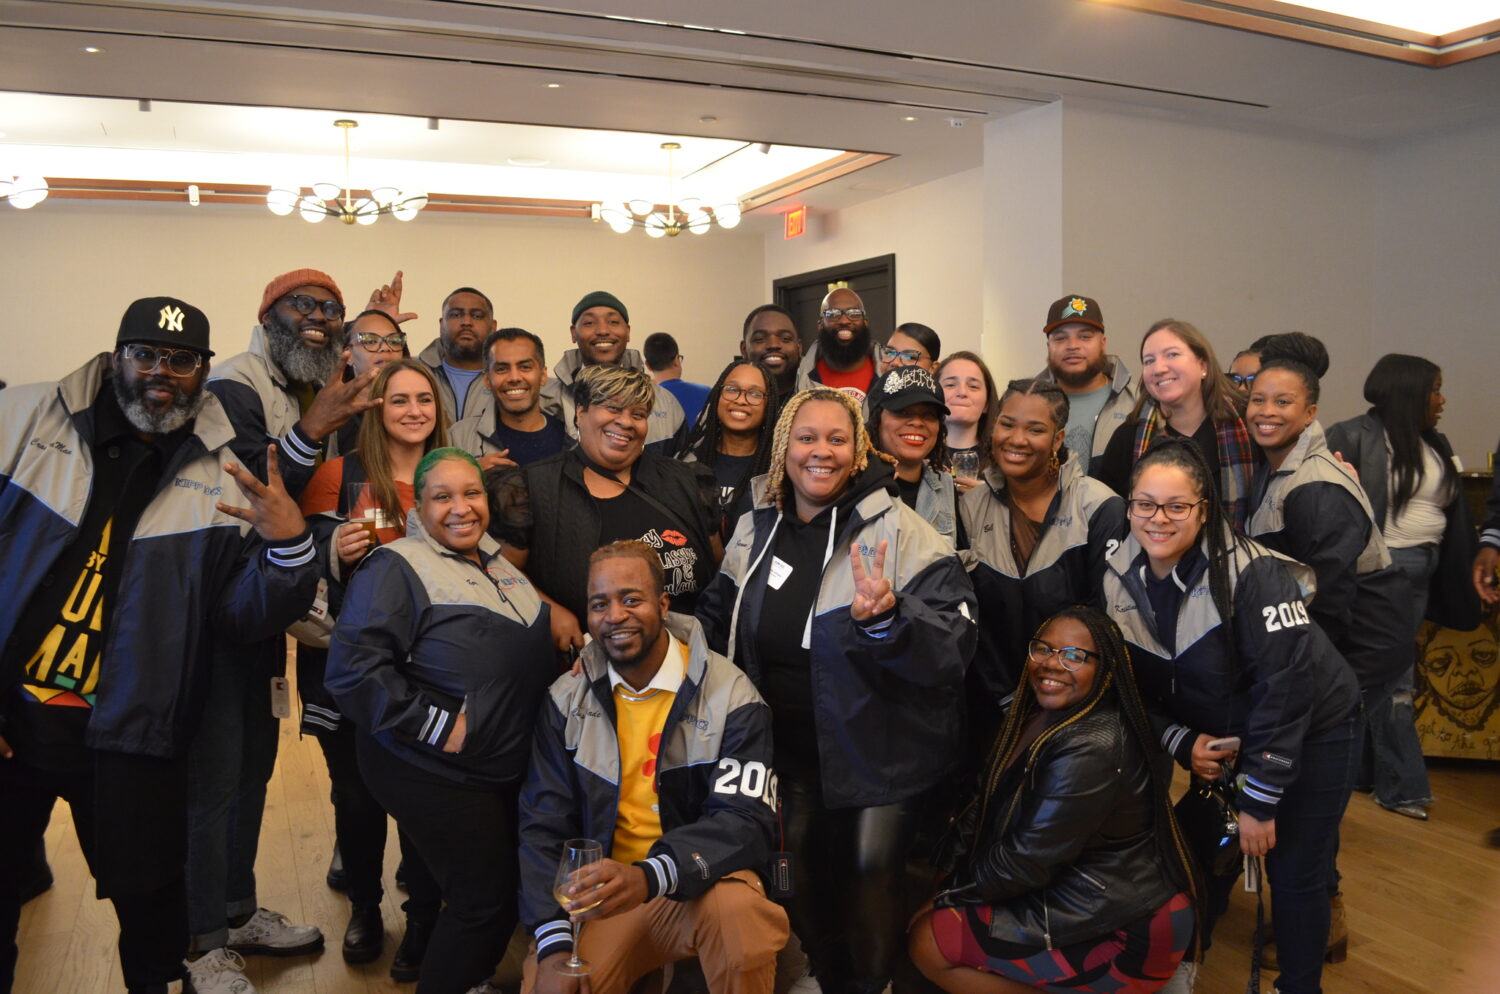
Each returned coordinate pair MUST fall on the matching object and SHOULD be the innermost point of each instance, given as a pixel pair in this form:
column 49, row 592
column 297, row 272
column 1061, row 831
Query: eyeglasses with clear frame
column 177, row 362
column 751, row 395
column 910, row 356
column 1175, row 510
column 371, row 342
column 1069, row 657
column 833, row 313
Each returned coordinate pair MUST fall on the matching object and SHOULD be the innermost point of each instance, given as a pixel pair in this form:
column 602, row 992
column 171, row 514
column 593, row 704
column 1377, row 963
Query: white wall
column 71, row 268
column 934, row 231
column 1437, row 286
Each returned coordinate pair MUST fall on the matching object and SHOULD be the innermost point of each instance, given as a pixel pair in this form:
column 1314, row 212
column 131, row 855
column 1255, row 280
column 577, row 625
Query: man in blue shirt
column 665, row 364
column 513, row 430
column 457, row 355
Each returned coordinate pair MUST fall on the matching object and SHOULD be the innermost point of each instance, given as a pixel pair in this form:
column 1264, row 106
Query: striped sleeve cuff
column 1259, row 791
column 435, row 729
column 1177, row 740
column 299, row 448
column 293, row 552
column 880, row 625
column 1490, row 537
column 661, row 875
column 553, row 937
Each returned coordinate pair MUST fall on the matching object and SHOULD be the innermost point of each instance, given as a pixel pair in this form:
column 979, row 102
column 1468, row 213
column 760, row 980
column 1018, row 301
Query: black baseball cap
column 165, row 321
column 1074, row 307
column 906, row 386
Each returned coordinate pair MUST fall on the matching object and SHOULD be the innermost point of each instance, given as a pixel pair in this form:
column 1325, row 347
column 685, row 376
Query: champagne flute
column 576, row 854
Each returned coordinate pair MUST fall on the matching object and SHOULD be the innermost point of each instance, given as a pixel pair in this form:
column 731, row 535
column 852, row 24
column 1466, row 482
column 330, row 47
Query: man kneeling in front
column 659, row 750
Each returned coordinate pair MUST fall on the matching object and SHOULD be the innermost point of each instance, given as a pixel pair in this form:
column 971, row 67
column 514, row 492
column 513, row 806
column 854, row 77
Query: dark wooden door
column 873, row 279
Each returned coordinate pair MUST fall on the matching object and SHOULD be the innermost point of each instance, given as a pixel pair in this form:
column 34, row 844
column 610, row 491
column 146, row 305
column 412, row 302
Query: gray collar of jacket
column 79, row 388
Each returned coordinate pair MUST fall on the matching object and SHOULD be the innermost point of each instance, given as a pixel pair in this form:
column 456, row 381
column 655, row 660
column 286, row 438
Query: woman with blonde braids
column 854, row 619
column 1075, row 873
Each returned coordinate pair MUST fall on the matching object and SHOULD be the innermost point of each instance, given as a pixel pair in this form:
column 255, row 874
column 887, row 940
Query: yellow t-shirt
column 639, row 720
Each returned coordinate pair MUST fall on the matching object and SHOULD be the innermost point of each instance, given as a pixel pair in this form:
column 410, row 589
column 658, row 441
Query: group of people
column 852, row 660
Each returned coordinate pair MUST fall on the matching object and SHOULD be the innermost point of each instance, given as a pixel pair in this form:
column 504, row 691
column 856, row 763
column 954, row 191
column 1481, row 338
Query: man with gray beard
column 287, row 392
column 122, row 564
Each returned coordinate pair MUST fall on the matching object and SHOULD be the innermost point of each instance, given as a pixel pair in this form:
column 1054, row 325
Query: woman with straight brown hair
column 1186, row 395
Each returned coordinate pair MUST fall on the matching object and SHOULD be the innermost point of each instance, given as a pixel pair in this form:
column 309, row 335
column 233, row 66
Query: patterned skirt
column 1136, row 959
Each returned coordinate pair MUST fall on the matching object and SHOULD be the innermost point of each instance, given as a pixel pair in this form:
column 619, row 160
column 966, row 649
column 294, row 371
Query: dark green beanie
column 599, row 298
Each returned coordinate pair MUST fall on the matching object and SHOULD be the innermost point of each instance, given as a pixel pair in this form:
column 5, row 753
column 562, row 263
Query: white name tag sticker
column 780, row 570
column 281, row 697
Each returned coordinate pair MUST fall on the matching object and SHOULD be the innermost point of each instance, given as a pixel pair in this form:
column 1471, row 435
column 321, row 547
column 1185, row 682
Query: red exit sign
column 795, row 223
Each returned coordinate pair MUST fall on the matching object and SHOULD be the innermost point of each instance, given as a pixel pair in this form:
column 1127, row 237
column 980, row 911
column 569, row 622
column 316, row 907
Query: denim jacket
column 937, row 503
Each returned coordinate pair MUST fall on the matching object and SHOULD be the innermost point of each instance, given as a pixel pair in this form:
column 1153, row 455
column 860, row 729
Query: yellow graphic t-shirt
column 640, row 717
column 64, row 669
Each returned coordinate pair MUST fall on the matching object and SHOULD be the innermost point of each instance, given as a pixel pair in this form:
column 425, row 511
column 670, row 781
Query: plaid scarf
column 1236, row 458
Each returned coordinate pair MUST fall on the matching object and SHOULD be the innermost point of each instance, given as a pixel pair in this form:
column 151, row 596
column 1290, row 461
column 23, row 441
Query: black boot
column 365, row 935
column 337, row 879
column 406, row 967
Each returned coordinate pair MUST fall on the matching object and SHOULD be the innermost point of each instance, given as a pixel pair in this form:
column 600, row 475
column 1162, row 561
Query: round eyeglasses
column 305, row 304
column 371, row 342
column 178, row 362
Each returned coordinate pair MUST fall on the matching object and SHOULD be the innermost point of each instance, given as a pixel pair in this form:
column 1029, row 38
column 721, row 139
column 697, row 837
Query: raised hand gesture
column 872, row 591
column 388, row 299
column 272, row 512
column 338, row 401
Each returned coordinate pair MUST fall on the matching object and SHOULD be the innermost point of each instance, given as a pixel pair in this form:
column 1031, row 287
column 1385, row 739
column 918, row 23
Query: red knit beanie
column 287, row 282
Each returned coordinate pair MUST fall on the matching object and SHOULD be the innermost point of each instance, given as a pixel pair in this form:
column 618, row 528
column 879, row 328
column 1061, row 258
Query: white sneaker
column 270, row 934
column 219, row 971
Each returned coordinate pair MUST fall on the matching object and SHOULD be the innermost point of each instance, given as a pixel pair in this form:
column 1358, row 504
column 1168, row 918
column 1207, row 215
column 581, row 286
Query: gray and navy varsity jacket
column 192, row 573
column 1084, row 523
column 886, row 696
column 715, row 786
column 425, row 633
column 1280, row 683
column 1313, row 510
column 258, row 398
column 1116, row 409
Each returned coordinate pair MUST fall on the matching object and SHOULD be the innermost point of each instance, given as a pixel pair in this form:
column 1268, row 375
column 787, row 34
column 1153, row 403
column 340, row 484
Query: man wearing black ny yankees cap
column 121, row 557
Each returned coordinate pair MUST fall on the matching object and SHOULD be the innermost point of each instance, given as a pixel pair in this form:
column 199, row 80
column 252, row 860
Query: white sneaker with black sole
column 219, row 971
column 268, row 933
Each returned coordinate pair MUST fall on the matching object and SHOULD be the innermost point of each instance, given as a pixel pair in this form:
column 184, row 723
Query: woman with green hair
column 440, row 657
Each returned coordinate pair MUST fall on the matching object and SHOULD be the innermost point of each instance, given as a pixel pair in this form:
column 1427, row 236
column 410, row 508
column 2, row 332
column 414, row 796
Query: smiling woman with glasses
column 374, row 340
column 1072, row 866
column 732, row 435
column 911, row 344
column 1224, row 648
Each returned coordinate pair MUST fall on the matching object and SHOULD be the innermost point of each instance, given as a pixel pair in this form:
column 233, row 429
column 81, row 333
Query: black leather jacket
column 1078, row 857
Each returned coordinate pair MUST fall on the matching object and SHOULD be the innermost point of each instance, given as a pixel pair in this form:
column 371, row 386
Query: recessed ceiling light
column 554, row 86
column 707, row 119
column 527, row 160
column 908, row 117
column 92, row 49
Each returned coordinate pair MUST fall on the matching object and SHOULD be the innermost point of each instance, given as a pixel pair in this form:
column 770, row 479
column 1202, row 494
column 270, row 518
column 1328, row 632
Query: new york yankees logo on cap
column 171, row 318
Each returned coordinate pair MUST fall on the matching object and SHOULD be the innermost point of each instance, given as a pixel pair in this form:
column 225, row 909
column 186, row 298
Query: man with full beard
column 844, row 356
column 1098, row 386
column 288, row 391
column 123, row 563
column 600, row 328
column 456, row 356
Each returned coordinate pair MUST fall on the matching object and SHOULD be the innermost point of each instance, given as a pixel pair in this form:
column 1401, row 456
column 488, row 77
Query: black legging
column 849, row 866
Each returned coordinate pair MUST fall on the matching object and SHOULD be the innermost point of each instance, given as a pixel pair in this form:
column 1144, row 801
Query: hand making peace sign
column 872, row 591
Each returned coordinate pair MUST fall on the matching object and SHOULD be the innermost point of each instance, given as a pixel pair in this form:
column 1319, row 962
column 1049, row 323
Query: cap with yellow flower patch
column 1074, row 307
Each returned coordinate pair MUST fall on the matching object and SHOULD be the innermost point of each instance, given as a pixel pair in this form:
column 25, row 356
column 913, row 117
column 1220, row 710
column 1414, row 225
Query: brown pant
column 733, row 929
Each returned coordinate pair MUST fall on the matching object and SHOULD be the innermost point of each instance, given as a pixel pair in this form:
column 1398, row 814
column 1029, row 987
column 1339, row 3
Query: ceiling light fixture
column 554, row 86
column 92, row 49
column 23, row 192
column 528, row 161
column 668, row 220
column 331, row 200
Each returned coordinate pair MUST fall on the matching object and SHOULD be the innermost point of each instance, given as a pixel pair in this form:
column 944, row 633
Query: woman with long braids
column 732, row 435
column 1224, row 647
column 1075, row 873
column 1039, row 530
column 1185, row 395
column 1407, row 468
column 852, row 617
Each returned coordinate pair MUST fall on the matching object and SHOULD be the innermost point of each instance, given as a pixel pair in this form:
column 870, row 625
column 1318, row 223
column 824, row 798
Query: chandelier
column 333, row 200
column 23, row 192
column 670, row 219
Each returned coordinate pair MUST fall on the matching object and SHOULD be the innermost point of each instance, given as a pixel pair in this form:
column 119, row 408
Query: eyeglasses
column 832, row 313
column 1069, row 657
column 371, row 342
column 1242, row 379
column 1174, row 510
column 178, row 362
column 332, row 309
column 752, row 396
column 905, row 355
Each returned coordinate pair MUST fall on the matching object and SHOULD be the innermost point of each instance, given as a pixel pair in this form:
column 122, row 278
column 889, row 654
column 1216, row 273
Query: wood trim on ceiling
column 1316, row 27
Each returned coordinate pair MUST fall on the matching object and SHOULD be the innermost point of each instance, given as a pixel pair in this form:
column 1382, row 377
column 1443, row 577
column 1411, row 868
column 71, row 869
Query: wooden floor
column 1423, row 898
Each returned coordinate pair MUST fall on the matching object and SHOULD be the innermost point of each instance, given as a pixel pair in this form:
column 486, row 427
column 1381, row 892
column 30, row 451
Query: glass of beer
column 361, row 508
